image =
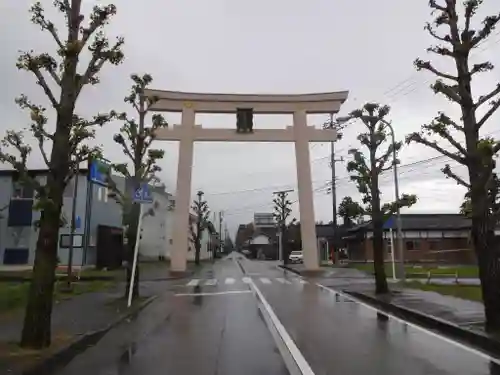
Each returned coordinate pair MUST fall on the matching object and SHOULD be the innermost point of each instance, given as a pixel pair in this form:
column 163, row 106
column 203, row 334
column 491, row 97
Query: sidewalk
column 454, row 317
column 82, row 316
column 460, row 319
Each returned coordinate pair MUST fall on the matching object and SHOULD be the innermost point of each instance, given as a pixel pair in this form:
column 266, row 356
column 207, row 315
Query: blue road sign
column 143, row 194
column 98, row 170
column 389, row 223
column 78, row 222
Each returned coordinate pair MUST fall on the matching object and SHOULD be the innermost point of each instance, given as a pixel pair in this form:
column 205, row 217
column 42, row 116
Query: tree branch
column 418, row 138
column 451, row 92
column 485, row 98
column 33, row 64
column 426, row 65
column 449, row 174
column 494, row 106
column 489, row 24
column 440, row 128
column 38, row 18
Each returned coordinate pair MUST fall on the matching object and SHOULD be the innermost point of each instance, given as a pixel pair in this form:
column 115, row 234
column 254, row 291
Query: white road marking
column 193, row 282
column 302, row 281
column 211, row 282
column 282, row 280
column 265, row 280
column 294, row 352
column 230, row 280
column 247, row 280
column 213, row 293
column 415, row 326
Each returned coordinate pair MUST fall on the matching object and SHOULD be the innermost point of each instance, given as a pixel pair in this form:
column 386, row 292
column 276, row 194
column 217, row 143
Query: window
column 412, row 245
column 105, row 193
column 99, row 193
column 21, row 191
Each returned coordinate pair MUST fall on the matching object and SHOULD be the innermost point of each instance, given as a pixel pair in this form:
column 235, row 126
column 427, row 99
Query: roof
column 423, row 222
column 327, row 231
column 175, row 101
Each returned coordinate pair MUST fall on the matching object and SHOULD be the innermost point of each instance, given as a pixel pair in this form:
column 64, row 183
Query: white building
column 156, row 233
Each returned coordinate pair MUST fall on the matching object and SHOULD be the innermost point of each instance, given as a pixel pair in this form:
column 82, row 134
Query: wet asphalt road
column 225, row 333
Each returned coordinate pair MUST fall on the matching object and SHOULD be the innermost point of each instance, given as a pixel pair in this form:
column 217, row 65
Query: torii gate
column 300, row 133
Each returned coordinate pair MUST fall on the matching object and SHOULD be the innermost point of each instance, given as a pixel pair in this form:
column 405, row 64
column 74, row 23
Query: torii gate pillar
column 300, row 133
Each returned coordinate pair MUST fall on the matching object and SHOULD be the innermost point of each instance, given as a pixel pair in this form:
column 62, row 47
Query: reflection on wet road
column 209, row 325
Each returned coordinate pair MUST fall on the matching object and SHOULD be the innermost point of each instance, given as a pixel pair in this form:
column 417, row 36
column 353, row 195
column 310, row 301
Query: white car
column 296, row 257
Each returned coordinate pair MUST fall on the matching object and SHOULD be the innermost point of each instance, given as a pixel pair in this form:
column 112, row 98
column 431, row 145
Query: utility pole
column 220, row 230
column 333, row 161
column 281, row 206
column 212, row 244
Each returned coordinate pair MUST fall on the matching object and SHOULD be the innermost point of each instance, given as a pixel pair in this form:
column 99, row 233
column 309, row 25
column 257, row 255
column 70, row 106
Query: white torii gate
column 300, row 133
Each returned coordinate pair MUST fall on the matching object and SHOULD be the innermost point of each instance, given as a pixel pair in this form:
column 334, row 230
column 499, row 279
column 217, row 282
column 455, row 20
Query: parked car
column 296, row 257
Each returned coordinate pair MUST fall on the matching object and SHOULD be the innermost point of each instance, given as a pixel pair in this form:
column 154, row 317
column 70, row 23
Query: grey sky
column 262, row 46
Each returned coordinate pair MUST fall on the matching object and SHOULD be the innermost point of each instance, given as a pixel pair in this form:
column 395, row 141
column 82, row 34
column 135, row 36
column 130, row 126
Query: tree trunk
column 488, row 255
column 197, row 250
column 36, row 332
column 381, row 286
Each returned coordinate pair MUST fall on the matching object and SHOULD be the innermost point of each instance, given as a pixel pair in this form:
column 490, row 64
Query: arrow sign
column 143, row 194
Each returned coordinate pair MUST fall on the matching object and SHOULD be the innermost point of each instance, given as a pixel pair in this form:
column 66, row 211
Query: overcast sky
column 263, row 46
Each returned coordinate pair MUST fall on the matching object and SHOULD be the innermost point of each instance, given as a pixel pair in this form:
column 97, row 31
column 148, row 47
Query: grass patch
column 469, row 292
column 13, row 296
column 415, row 271
column 17, row 359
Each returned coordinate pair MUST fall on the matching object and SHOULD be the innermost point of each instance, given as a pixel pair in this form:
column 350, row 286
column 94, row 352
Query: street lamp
column 399, row 225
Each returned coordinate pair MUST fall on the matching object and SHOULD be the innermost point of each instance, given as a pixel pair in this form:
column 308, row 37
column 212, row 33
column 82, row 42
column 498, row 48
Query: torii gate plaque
column 300, row 133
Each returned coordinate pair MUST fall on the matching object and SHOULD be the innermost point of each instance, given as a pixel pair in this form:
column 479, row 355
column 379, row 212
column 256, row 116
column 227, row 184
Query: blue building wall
column 105, row 211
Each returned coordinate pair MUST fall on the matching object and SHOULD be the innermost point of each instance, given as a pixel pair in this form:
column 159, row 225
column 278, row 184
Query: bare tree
column 69, row 147
column 477, row 153
column 366, row 174
column 282, row 211
column 135, row 139
column 201, row 211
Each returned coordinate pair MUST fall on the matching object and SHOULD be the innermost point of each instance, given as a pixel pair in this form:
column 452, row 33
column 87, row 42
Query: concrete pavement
column 248, row 317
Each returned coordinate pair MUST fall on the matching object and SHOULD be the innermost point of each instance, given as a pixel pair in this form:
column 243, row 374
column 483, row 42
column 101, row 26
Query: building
column 264, row 220
column 156, row 234
column 101, row 219
column 426, row 238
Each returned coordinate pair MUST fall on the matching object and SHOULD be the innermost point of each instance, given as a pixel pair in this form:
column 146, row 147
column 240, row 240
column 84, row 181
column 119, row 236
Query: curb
column 63, row 356
column 180, row 276
column 474, row 338
column 290, row 269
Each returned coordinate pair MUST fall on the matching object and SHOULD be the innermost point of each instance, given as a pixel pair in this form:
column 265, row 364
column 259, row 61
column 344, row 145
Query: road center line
column 415, row 326
column 294, row 351
column 213, row 293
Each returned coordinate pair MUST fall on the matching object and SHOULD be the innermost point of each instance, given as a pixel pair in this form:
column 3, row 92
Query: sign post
column 141, row 196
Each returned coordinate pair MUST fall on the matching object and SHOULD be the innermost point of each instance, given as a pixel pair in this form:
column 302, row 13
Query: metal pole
column 280, row 245
column 391, row 236
column 334, row 190
column 88, row 213
column 136, row 252
column 399, row 225
column 72, row 229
